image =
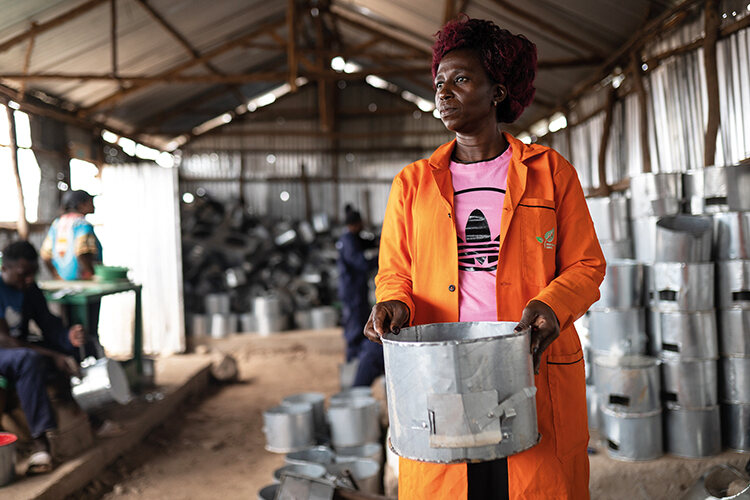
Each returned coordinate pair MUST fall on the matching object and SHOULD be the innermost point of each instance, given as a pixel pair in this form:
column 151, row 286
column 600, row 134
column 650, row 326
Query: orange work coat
column 548, row 252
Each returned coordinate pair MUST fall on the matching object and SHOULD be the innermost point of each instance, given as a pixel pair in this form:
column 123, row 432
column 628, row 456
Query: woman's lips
column 447, row 111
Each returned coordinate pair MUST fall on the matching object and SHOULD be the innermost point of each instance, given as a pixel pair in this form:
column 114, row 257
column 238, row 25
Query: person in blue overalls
column 354, row 273
column 70, row 251
column 29, row 365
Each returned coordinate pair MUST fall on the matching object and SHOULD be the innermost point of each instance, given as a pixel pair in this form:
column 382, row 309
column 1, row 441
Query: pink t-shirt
column 478, row 194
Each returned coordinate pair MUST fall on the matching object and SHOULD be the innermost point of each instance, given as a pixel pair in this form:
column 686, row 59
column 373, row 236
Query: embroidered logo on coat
column 547, row 240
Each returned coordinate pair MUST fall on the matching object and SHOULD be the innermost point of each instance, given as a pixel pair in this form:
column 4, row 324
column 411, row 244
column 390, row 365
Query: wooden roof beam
column 291, row 49
column 223, row 48
column 37, row 29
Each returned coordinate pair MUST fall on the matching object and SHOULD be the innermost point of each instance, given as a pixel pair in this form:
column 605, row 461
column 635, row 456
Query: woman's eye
column 460, row 79
column 438, row 85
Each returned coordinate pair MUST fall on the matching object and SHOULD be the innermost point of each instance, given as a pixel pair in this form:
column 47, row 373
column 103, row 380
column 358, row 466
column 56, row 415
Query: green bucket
column 110, row 273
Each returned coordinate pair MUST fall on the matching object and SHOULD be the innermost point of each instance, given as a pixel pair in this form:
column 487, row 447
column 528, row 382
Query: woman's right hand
column 389, row 316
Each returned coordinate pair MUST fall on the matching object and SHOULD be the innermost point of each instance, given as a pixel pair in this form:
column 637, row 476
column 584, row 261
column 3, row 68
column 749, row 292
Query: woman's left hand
column 545, row 328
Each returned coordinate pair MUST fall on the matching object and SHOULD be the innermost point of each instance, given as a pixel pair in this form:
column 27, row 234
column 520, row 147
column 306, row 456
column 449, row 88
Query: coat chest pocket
column 539, row 239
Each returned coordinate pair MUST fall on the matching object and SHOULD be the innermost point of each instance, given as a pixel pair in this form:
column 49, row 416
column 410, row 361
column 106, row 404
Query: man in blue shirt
column 354, row 272
column 28, row 364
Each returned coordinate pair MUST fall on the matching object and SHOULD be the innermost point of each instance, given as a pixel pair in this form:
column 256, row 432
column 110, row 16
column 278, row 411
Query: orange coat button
column 451, row 288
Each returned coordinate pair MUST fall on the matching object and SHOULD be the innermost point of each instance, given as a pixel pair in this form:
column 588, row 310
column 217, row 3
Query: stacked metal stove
column 696, row 380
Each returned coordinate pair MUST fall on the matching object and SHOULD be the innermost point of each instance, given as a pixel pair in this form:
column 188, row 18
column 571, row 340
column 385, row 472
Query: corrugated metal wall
column 677, row 108
column 370, row 153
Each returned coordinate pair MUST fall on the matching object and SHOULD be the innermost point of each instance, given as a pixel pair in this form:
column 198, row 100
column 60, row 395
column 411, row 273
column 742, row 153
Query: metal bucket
column 270, row 324
column 267, row 306
column 372, row 451
column 352, row 393
column 610, row 217
column 677, row 286
column 289, row 428
column 732, row 236
column 622, row 287
column 324, row 317
column 632, row 436
column 683, row 238
column 735, row 425
column 199, row 325
column 655, row 194
column 685, row 335
column 735, row 380
column 303, row 320
column 733, row 284
column 628, row 383
column 366, row 473
column 734, row 325
column 692, row 432
column 592, row 405
column 690, row 383
column 268, row 492
column 617, row 250
column 644, row 238
column 714, row 485
column 705, row 190
column 322, row 455
column 738, row 185
column 220, row 327
column 460, row 391
column 313, row 471
column 618, row 331
column 247, row 322
column 217, row 303
column 103, row 381
column 7, row 457
column 354, row 421
column 317, row 401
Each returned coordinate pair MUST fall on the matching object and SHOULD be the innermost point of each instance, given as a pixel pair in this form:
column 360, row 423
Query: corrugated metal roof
column 82, row 46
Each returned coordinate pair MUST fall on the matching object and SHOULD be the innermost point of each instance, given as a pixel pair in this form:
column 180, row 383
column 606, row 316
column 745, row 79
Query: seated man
column 27, row 364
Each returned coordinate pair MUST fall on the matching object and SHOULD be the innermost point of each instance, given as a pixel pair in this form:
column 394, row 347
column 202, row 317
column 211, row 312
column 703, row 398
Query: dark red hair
column 508, row 59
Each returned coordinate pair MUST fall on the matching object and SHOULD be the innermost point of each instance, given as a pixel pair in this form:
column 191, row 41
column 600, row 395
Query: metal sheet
column 732, row 235
column 735, row 380
column 734, row 326
column 677, row 286
column 655, row 194
column 735, row 425
column 690, row 383
column 733, row 284
column 738, row 185
column 683, row 335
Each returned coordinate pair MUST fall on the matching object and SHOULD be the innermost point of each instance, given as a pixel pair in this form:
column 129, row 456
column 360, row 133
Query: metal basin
column 460, row 392
column 317, row 401
column 732, row 235
column 690, row 383
column 618, row 331
column 632, row 436
column 289, row 428
column 713, row 485
column 622, row 287
column 734, row 325
column 735, row 380
column 677, row 286
column 628, row 383
column 366, row 473
column 735, row 426
column 692, row 432
column 322, row 455
column 373, row 451
column 313, row 471
column 7, row 457
column 103, row 381
column 738, row 185
column 686, row 335
column 655, row 194
column 610, row 217
column 683, row 238
column 733, row 284
column 354, row 421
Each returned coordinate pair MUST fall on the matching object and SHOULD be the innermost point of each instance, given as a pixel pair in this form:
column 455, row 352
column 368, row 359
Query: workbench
column 80, row 294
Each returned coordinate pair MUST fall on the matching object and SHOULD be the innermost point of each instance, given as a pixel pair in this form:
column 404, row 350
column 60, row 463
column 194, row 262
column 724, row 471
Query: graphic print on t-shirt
column 478, row 249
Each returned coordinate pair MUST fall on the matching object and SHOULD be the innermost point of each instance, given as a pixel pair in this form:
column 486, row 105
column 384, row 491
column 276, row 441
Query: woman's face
column 464, row 94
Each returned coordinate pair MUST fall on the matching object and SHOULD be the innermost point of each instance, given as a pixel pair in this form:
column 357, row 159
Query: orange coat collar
column 440, row 159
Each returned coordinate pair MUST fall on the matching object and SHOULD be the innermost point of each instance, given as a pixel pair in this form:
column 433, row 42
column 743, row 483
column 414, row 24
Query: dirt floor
column 215, row 448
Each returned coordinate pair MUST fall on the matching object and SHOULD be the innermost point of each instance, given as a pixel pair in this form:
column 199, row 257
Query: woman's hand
column 77, row 335
column 388, row 316
column 544, row 328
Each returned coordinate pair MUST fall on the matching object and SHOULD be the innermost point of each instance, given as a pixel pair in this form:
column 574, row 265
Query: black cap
column 352, row 216
column 71, row 199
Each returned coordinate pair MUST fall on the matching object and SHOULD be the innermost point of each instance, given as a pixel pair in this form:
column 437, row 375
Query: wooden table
column 83, row 293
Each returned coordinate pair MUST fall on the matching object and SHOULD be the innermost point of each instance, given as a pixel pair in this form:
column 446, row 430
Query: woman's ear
column 499, row 95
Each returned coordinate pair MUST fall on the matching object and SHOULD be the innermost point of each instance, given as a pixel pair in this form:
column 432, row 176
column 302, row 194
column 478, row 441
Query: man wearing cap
column 354, row 272
column 70, row 251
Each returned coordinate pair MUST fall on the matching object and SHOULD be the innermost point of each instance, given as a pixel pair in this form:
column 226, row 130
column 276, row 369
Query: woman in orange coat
column 489, row 228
